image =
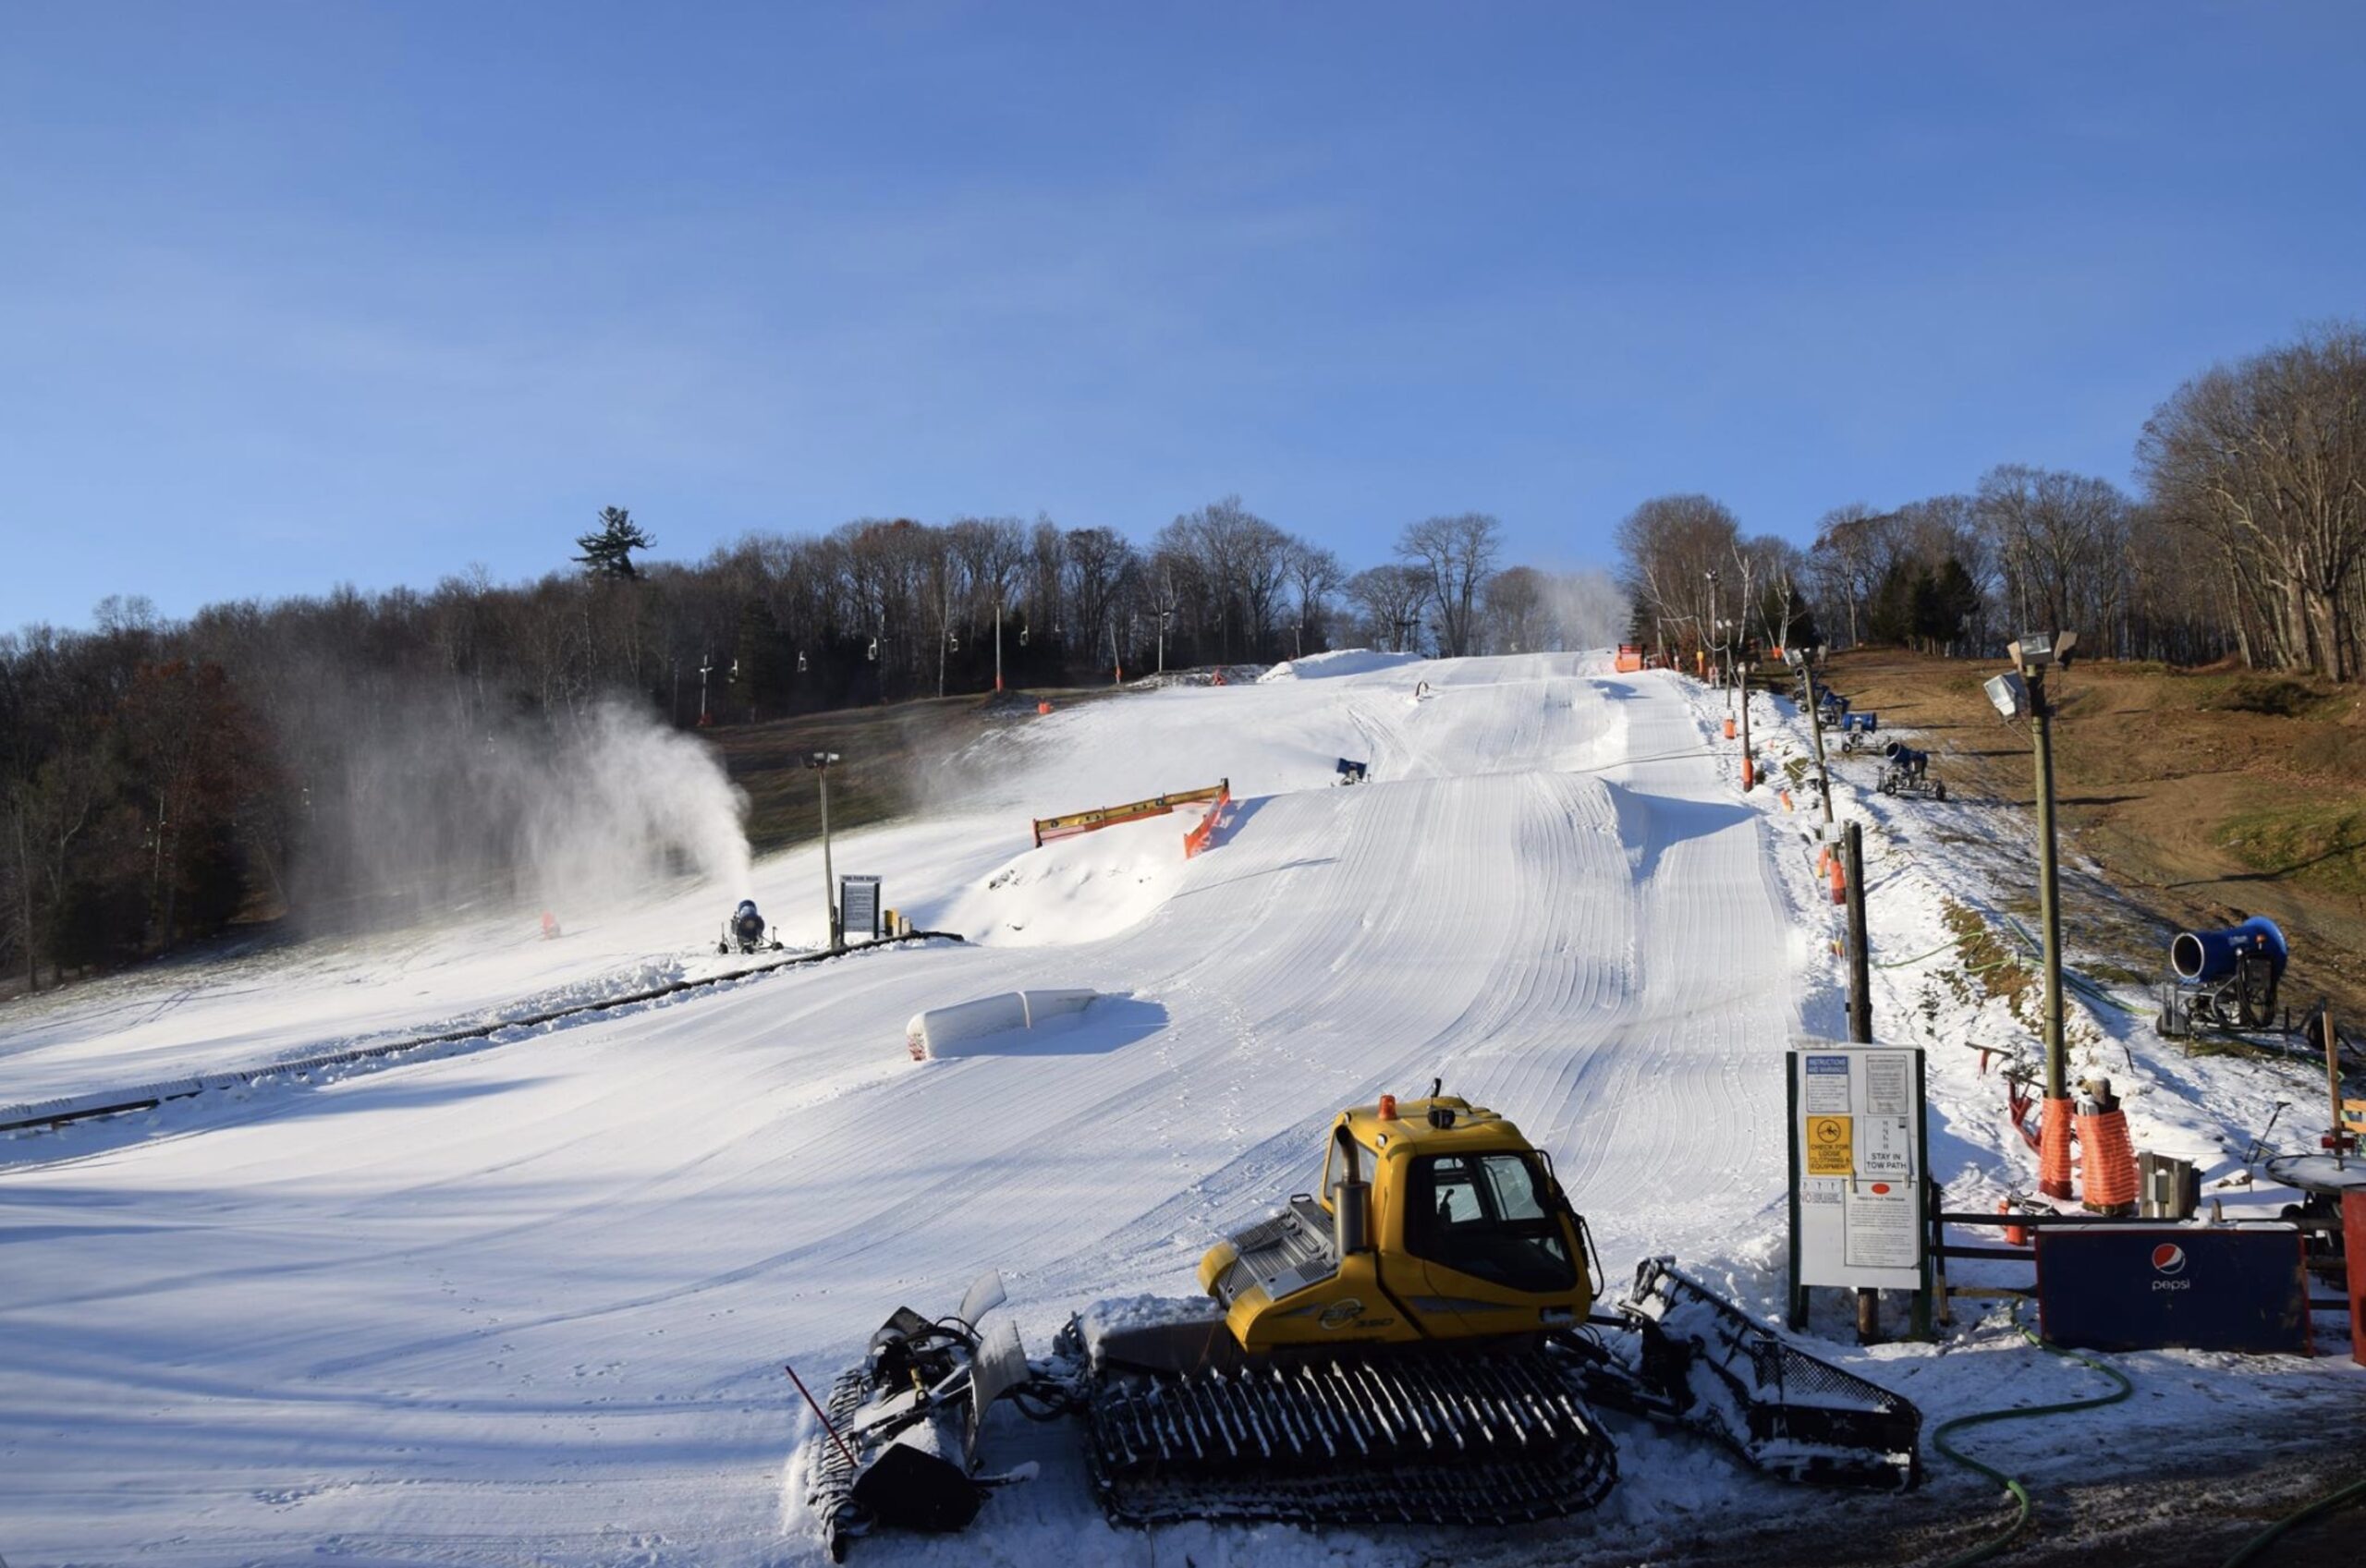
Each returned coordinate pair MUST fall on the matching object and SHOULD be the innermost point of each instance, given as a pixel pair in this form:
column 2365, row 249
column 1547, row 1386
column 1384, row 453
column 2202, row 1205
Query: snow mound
column 1341, row 662
column 1079, row 889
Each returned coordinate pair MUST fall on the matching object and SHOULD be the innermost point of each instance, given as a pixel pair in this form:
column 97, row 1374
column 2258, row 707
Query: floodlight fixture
column 820, row 758
column 1795, row 657
column 2011, row 694
column 2036, row 651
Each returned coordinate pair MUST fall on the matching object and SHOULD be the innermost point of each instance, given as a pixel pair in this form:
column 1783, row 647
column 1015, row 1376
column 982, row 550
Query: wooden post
column 2341, row 1134
column 1860, row 1016
column 1861, row 997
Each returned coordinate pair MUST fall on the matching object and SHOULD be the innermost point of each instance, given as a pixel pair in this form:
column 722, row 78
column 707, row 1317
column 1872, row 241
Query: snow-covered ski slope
column 528, row 1303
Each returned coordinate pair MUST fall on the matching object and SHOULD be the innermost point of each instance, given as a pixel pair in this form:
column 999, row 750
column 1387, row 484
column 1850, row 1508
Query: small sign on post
column 859, row 905
column 1857, row 1170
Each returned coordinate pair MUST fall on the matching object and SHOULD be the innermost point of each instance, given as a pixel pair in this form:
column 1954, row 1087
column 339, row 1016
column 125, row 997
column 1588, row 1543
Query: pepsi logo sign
column 2168, row 1258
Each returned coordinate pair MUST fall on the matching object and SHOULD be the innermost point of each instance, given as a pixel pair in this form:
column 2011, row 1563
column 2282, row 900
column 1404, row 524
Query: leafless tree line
column 158, row 777
column 1698, row 583
column 2246, row 541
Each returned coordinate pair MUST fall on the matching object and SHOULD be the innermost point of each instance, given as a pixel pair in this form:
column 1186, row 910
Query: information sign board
column 859, row 905
column 1857, row 1168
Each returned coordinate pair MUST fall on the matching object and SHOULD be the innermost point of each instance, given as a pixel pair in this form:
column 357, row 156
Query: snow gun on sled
column 1416, row 1344
column 745, row 932
column 2226, row 981
column 1906, row 771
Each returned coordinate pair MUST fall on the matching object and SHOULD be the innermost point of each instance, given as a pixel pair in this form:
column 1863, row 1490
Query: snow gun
column 1908, row 772
column 2226, row 980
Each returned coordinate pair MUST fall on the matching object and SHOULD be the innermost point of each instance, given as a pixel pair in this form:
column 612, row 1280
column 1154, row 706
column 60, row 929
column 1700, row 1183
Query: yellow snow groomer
column 1436, row 1221
column 1410, row 1343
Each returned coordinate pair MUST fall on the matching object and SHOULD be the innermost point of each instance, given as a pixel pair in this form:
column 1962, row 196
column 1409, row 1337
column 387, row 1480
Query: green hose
column 1987, row 1549
column 2354, row 1492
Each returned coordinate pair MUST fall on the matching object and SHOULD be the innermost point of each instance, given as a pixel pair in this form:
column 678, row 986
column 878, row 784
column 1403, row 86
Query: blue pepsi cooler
column 2145, row 1288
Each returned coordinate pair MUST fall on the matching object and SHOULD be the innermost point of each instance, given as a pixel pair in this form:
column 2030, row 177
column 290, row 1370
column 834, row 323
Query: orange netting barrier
column 2108, row 1179
column 2054, row 1148
column 1197, row 839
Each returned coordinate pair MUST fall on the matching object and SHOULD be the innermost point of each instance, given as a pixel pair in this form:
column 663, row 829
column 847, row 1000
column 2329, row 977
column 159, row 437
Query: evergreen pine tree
column 608, row 552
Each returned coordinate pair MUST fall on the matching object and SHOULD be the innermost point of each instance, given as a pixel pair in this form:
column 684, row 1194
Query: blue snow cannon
column 2200, row 957
column 2226, row 981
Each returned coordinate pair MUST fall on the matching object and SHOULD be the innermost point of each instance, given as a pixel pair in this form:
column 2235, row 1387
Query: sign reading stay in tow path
column 1856, row 1169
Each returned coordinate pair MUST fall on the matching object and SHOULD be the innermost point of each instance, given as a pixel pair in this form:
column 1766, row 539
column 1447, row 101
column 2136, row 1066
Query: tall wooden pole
column 1860, row 992
column 2053, row 1183
column 2341, row 1134
column 1816, row 726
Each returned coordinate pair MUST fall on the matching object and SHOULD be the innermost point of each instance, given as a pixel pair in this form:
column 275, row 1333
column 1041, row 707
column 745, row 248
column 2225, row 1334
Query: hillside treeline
column 360, row 757
column 2246, row 539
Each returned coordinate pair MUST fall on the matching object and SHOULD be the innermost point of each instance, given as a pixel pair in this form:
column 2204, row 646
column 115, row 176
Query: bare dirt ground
column 2197, row 797
column 2189, row 799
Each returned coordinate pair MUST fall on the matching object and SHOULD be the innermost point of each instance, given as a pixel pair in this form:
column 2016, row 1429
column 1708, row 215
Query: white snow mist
column 421, row 815
column 624, row 802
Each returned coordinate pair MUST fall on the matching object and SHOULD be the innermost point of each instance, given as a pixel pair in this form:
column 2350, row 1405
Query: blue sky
column 298, row 294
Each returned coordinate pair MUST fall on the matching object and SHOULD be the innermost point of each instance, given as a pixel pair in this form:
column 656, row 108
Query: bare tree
column 1855, row 548
column 1518, row 617
column 1454, row 557
column 2061, row 541
column 1316, row 573
column 2266, row 460
column 1668, row 547
column 1390, row 597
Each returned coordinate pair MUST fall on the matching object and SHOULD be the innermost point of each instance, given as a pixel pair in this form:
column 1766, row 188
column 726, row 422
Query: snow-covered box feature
column 946, row 1031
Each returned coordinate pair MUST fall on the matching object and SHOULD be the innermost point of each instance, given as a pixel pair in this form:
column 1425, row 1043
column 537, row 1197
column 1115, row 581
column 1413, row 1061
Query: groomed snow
column 529, row 1303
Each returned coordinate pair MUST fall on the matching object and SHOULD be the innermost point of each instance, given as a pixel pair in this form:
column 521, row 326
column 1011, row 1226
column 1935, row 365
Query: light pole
column 1749, row 767
column 1164, row 616
column 998, row 645
column 2022, row 695
column 706, row 668
column 1799, row 659
column 820, row 763
column 1710, row 628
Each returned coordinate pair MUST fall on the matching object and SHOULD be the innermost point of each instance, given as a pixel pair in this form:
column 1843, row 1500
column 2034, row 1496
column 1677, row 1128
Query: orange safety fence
column 1075, row 822
column 2107, row 1179
column 1197, row 839
column 2054, row 1148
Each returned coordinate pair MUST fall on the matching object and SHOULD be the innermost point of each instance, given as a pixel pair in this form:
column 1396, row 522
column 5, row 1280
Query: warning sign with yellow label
column 1828, row 1146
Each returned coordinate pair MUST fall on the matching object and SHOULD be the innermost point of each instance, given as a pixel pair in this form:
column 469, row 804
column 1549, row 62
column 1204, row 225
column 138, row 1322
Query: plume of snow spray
column 625, row 804
column 1589, row 607
column 422, row 813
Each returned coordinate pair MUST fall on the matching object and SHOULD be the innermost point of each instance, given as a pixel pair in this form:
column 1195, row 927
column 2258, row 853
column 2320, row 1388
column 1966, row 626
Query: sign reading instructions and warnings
column 1856, row 1167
